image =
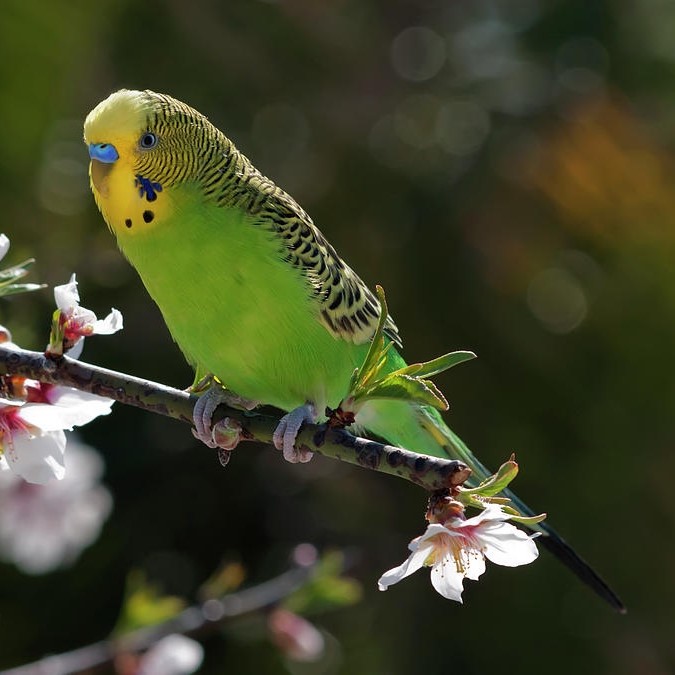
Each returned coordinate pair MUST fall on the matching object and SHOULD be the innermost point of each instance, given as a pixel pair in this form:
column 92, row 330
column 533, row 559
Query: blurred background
column 505, row 170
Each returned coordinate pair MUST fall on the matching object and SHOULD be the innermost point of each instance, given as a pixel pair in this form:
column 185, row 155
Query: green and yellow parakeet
column 250, row 289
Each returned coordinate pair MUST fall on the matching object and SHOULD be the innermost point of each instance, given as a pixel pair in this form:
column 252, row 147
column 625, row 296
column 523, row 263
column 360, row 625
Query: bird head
column 141, row 144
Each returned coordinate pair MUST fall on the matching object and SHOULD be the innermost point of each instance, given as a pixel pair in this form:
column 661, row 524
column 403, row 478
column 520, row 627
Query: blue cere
column 103, row 152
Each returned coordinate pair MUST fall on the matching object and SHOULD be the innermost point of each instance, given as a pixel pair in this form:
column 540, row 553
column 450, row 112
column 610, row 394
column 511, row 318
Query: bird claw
column 203, row 413
column 287, row 431
column 226, row 433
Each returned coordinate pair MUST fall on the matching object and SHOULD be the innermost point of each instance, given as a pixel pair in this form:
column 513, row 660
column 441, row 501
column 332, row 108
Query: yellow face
column 121, row 140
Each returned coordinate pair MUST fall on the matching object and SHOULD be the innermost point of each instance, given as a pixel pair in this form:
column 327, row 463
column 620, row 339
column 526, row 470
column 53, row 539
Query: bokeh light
column 557, row 299
column 417, row 53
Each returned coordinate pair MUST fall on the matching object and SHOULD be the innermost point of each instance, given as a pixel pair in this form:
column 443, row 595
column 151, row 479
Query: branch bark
column 428, row 472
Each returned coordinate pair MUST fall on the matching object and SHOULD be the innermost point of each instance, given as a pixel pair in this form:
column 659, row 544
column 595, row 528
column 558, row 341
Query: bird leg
column 287, row 431
column 201, row 382
column 226, row 433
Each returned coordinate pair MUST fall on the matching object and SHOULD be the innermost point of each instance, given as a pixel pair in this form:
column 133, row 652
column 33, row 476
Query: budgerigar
column 250, row 289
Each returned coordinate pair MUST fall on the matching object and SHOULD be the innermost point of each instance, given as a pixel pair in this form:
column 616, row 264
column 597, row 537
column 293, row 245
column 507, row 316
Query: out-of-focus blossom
column 5, row 335
column 457, row 550
column 43, row 527
column 296, row 637
column 76, row 322
column 4, row 245
column 12, row 274
column 172, row 655
column 32, row 438
column 418, row 53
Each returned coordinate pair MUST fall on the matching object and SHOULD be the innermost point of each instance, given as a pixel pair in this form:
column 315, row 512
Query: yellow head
column 141, row 144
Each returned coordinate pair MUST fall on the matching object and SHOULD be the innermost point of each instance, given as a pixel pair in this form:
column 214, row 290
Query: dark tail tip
column 571, row 559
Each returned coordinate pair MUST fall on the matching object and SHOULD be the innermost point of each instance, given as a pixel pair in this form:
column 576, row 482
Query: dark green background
column 573, row 180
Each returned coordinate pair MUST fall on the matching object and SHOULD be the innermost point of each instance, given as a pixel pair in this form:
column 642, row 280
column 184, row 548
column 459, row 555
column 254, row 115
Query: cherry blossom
column 457, row 549
column 43, row 527
column 297, row 638
column 4, row 245
column 172, row 655
column 32, row 438
column 76, row 322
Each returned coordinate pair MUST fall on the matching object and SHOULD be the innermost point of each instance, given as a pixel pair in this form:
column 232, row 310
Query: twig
column 193, row 620
column 430, row 473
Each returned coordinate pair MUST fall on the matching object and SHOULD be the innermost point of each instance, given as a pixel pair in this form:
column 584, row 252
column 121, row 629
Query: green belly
column 237, row 310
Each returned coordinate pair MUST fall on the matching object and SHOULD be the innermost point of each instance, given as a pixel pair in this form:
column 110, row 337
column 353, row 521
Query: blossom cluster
column 35, row 415
column 33, row 423
column 48, row 516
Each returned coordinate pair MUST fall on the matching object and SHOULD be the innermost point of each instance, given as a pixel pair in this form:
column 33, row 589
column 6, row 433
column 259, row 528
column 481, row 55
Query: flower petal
column 10, row 402
column 43, row 527
column 297, row 638
column 473, row 562
column 492, row 512
column 4, row 245
column 80, row 320
column 111, row 324
column 172, row 655
column 410, row 565
column 66, row 295
column 76, row 350
column 37, row 459
column 446, row 579
column 432, row 530
column 66, row 409
column 504, row 544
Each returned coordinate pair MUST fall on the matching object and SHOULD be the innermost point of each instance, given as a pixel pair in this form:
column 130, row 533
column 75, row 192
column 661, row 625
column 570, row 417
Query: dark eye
column 148, row 140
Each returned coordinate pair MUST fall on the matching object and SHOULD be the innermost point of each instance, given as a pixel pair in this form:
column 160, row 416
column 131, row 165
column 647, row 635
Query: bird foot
column 287, row 431
column 226, row 433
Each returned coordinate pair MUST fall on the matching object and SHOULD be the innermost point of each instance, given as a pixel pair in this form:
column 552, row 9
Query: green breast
column 237, row 309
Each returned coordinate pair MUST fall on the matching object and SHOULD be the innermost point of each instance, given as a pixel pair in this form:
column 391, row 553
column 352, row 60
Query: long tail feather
column 456, row 449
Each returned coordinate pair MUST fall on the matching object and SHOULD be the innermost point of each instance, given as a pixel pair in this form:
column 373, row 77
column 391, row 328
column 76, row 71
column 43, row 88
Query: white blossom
column 79, row 322
column 32, row 436
column 172, row 655
column 4, row 245
column 43, row 527
column 457, row 550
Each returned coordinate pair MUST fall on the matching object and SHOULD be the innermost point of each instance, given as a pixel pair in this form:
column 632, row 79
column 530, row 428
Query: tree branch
column 194, row 621
column 430, row 473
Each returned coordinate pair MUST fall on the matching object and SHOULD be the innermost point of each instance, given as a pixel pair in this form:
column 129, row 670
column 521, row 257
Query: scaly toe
column 203, row 413
column 226, row 433
column 287, row 431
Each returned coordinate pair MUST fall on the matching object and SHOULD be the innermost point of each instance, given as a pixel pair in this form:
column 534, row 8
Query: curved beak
column 103, row 156
column 103, row 152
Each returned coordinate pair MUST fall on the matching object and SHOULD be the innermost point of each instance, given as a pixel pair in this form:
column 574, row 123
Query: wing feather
column 346, row 306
